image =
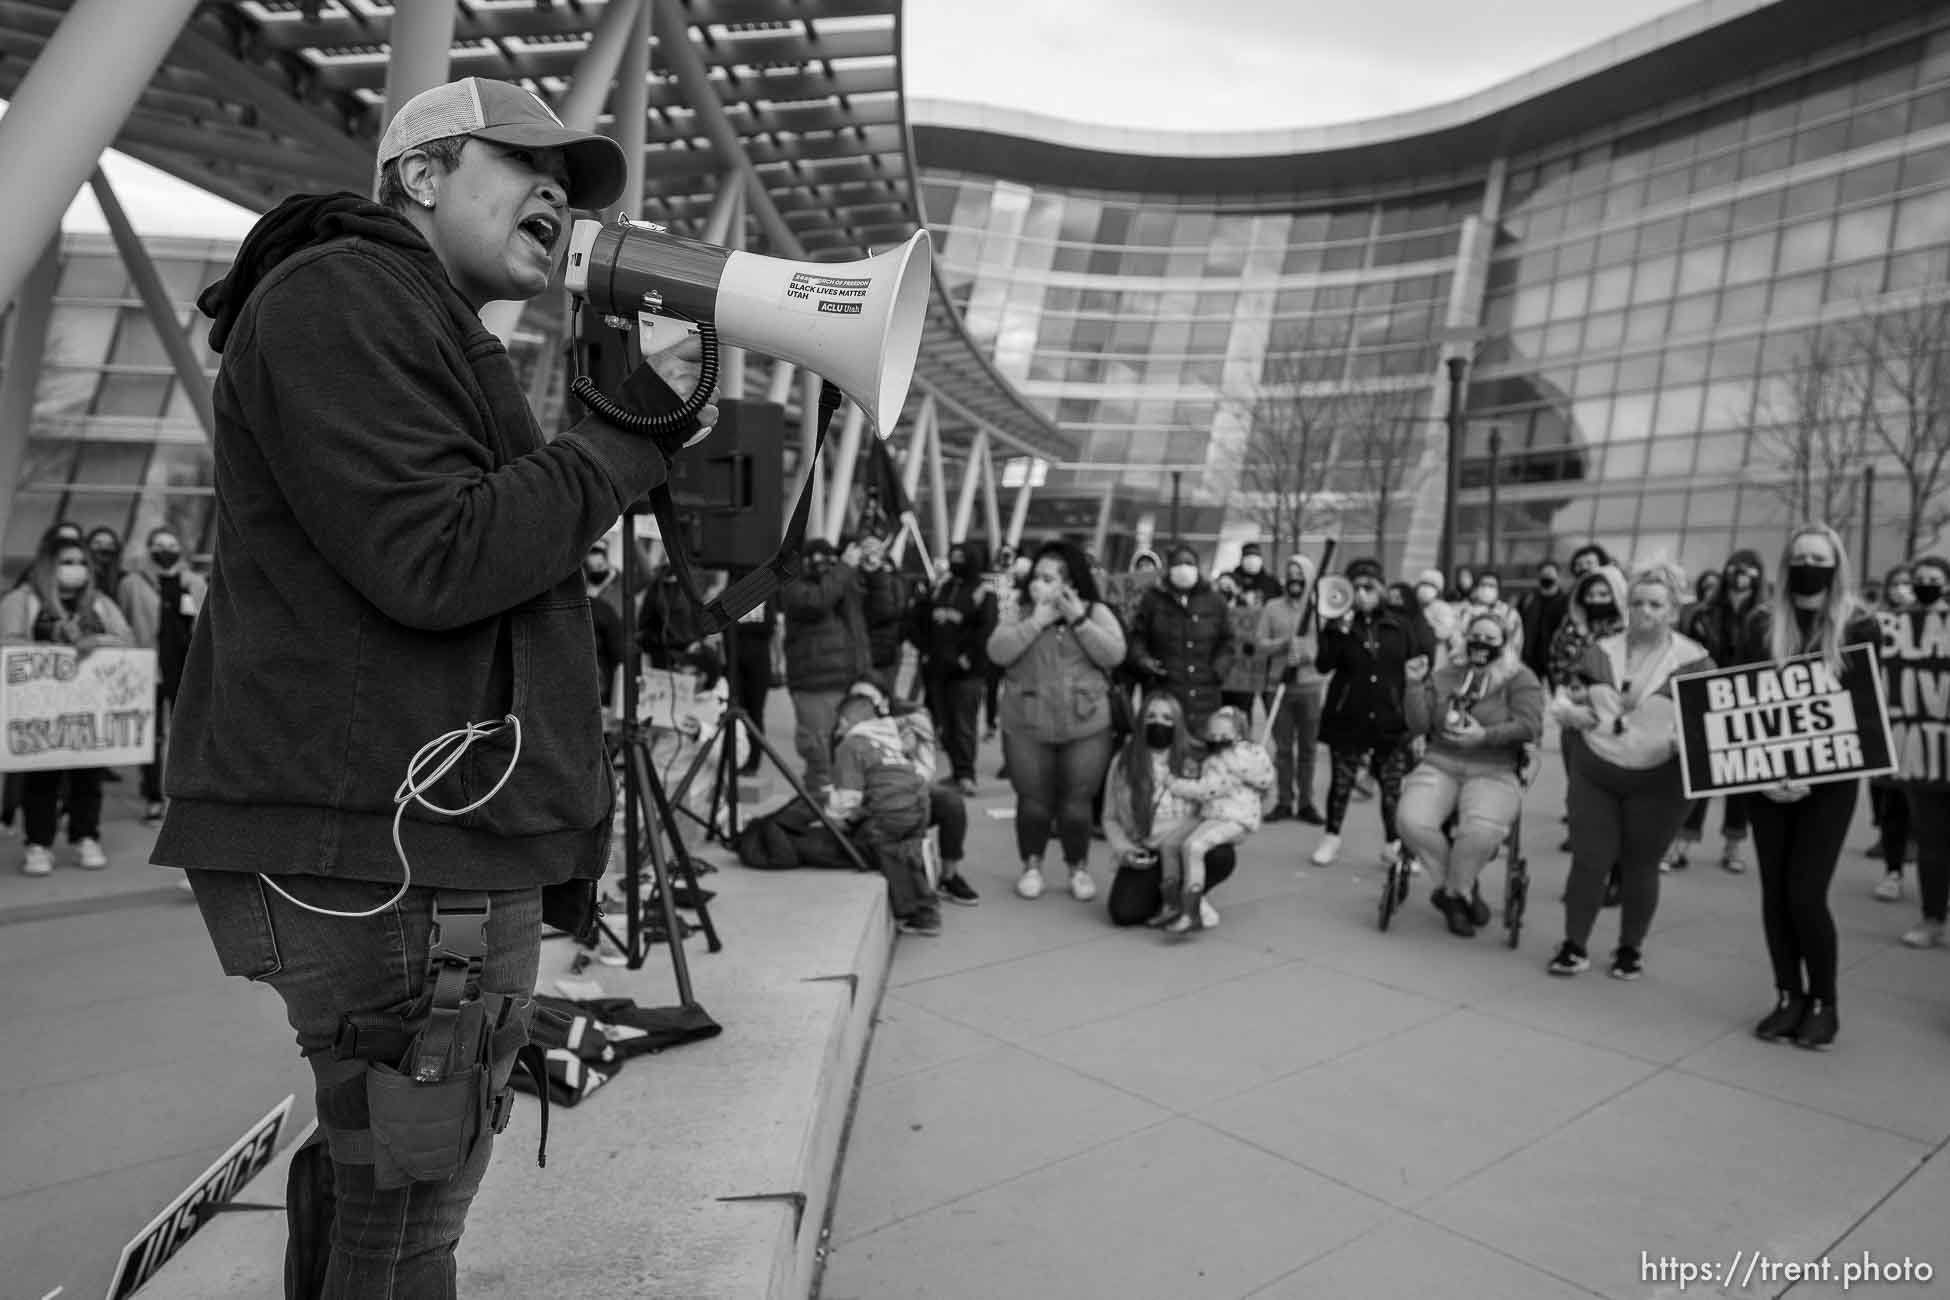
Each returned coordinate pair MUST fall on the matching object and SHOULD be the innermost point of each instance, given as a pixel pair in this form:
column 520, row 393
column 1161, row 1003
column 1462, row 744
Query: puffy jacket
column 1542, row 615
column 1185, row 639
column 825, row 633
column 1056, row 679
column 1510, row 707
column 883, row 606
column 1732, row 636
column 1366, row 659
column 1251, row 661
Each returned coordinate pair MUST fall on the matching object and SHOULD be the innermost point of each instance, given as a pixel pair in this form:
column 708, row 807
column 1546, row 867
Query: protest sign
column 1749, row 728
column 1916, row 664
column 61, row 709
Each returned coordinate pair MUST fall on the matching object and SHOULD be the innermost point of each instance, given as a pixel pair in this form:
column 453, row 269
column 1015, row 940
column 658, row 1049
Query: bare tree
column 1295, row 415
column 1388, row 440
column 1814, row 428
column 1905, row 400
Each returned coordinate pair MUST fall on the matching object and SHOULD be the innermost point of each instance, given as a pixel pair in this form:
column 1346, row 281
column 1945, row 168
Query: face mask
column 1599, row 609
column 1810, row 579
column 1228, row 594
column 1159, row 735
column 1184, row 576
column 960, row 568
column 1296, row 589
column 1425, row 595
column 1928, row 593
column 1219, row 742
column 1485, row 595
column 1482, row 653
column 595, row 572
column 1740, row 580
column 164, row 559
column 71, row 576
column 1251, row 564
column 1021, row 567
column 1547, row 583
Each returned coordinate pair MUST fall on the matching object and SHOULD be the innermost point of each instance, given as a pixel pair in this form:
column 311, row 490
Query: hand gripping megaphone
column 856, row 324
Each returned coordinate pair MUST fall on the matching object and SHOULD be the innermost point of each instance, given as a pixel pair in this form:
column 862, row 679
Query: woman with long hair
column 59, row 603
column 1799, row 828
column 1140, row 810
column 1621, row 743
column 1887, row 802
column 1057, row 644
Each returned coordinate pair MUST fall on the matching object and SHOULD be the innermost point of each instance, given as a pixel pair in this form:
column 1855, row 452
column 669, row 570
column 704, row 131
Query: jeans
column 1622, row 818
column 814, row 714
column 1485, row 796
column 1733, row 821
column 43, row 795
column 152, row 773
column 1296, row 740
column 1929, row 820
column 1053, row 785
column 1796, row 846
column 385, row 1241
column 948, row 814
column 891, row 841
column 954, row 703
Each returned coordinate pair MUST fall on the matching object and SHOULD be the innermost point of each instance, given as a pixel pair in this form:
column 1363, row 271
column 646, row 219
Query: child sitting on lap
column 1232, row 782
column 879, row 792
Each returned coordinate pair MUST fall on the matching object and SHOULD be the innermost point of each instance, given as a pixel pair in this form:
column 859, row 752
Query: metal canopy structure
column 259, row 99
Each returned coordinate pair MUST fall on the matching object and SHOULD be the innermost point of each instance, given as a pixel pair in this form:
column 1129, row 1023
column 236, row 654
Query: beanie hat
column 1250, row 548
column 1364, row 568
column 1745, row 559
column 1182, row 554
column 1431, row 578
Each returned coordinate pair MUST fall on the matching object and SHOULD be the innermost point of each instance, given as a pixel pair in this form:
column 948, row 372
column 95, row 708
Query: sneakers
column 926, row 925
column 89, row 856
column 1926, row 934
column 1817, row 1029
column 153, row 814
column 967, row 787
column 1784, row 1019
column 1082, row 887
column 1030, row 883
column 39, row 861
column 1734, row 859
column 957, row 890
column 1310, row 815
column 1191, row 912
column 1674, row 858
column 1208, row 915
column 1280, row 813
column 1626, row 964
column 1393, row 852
column 1570, row 960
column 1890, row 888
column 1328, row 851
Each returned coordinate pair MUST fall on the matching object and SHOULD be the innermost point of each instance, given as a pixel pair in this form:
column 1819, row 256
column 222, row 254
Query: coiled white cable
column 413, row 789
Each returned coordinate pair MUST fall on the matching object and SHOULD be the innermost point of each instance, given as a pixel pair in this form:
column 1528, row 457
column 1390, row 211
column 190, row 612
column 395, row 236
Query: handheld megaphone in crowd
column 855, row 324
column 1336, row 596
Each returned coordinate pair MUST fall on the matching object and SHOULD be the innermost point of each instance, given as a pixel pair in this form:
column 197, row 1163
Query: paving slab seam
column 1731, row 1031
column 1678, row 1067
column 25, row 913
column 959, row 972
column 1833, row 1248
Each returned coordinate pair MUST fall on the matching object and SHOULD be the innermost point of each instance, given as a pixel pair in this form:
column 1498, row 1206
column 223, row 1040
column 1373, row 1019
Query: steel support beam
column 840, row 471
column 938, row 491
column 808, row 441
column 1019, row 516
column 26, row 344
column 991, row 507
column 779, row 387
column 726, row 228
column 971, row 477
column 630, row 116
column 155, row 301
column 73, row 101
column 1102, row 534
column 926, row 422
column 420, row 44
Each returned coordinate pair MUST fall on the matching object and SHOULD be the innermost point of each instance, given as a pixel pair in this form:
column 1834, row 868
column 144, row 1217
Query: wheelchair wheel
column 1516, row 892
column 1401, row 873
column 1392, row 892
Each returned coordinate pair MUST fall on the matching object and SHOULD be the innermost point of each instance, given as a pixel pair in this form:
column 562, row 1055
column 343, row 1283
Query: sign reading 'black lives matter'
column 1745, row 729
column 1916, row 656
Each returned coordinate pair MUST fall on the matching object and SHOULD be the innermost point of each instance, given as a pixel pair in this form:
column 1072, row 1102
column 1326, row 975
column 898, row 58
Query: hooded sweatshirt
column 398, row 554
column 1576, row 635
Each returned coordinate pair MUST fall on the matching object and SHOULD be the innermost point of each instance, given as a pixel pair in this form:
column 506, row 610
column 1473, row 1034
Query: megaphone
column 857, row 324
column 1335, row 595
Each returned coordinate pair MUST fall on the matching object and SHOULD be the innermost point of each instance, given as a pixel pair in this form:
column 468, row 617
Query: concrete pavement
column 1298, row 1105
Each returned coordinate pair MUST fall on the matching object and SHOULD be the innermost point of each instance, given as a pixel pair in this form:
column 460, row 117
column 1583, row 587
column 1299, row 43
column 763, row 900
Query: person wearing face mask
column 1621, row 742
column 59, row 604
column 1366, row 655
column 884, row 605
column 1597, row 611
column 607, row 619
column 1916, row 664
column 1587, row 560
column 951, row 629
column 1182, row 639
column 1542, row 611
column 105, row 558
column 1732, row 627
column 825, row 652
column 1435, row 613
column 1479, row 715
column 1288, row 638
column 1887, row 803
column 1252, row 573
column 161, row 601
column 1799, row 828
column 1484, row 596
column 1140, row 812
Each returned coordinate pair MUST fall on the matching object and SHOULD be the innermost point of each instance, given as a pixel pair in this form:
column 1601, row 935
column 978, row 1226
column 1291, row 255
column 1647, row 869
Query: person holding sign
column 1621, row 744
column 1799, row 826
column 1916, row 665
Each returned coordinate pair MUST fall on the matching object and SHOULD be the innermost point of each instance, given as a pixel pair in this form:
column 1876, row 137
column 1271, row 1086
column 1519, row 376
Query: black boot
column 1817, row 1030
column 1456, row 909
column 1479, row 911
column 1784, row 1019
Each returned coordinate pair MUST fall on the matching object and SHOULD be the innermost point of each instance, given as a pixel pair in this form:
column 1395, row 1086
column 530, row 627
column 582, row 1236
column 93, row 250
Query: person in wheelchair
column 1480, row 716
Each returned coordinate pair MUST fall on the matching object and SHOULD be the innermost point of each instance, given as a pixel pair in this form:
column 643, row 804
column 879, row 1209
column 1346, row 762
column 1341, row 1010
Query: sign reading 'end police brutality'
column 61, row 709
column 1745, row 729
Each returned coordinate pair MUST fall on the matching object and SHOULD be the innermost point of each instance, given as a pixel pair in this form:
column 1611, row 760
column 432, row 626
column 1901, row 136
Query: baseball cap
column 504, row 113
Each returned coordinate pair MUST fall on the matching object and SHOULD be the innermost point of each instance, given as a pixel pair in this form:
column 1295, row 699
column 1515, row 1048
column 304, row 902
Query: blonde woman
column 1621, row 744
column 1798, row 829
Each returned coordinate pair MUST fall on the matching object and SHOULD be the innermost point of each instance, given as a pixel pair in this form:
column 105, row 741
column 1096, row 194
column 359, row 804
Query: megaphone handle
column 607, row 408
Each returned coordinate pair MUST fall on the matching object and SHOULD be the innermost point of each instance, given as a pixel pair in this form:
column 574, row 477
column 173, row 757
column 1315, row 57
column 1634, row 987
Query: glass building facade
column 1635, row 298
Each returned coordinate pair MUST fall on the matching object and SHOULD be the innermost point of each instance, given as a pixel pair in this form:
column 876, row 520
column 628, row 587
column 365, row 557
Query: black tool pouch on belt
column 428, row 1114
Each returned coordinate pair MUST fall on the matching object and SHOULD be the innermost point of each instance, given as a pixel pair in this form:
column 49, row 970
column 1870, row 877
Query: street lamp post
column 1456, row 422
column 1496, row 473
column 1176, row 475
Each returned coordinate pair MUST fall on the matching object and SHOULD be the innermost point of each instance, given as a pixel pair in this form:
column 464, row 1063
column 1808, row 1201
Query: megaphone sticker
column 818, row 293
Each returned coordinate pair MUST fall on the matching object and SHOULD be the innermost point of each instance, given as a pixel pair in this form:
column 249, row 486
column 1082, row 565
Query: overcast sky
column 1202, row 65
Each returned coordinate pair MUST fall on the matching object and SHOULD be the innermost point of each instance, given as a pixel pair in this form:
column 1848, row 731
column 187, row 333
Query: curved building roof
column 1656, row 63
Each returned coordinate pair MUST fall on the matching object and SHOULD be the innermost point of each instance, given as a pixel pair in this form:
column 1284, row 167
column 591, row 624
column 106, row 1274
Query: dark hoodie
column 1729, row 624
column 398, row 554
column 951, row 626
column 1577, row 633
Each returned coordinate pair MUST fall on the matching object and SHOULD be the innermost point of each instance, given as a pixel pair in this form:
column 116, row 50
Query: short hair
column 444, row 151
column 1662, row 573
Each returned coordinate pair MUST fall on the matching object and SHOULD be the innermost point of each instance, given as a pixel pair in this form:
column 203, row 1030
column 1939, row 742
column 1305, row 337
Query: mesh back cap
column 507, row 114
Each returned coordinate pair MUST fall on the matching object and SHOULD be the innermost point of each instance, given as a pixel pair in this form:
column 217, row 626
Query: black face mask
column 1595, row 610
column 1810, row 579
column 1927, row 593
column 1484, row 652
column 1296, row 589
column 961, row 568
column 1547, row 583
column 165, row 559
column 1219, row 742
column 595, row 572
column 1159, row 735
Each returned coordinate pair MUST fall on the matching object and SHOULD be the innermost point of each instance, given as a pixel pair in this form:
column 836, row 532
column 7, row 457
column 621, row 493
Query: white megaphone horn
column 857, row 324
column 1336, row 596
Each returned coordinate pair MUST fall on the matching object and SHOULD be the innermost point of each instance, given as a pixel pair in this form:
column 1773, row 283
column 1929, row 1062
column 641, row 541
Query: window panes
column 1654, row 279
column 1702, row 268
column 1604, row 330
column 1805, row 247
column 1570, row 297
column 1798, row 296
column 1631, row 416
column 1855, row 282
column 1922, row 219
column 1678, row 412
column 93, row 276
column 1694, row 314
column 1685, row 365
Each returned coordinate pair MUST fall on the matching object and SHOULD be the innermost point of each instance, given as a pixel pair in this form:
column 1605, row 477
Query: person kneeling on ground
column 1231, row 785
column 947, row 809
column 880, row 794
column 1140, row 810
column 1479, row 715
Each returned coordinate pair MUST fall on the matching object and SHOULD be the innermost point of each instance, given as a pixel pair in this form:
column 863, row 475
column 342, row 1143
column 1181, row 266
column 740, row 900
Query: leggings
column 1388, row 762
column 1797, row 846
column 1892, row 819
column 1929, row 815
column 1622, row 818
column 1053, row 784
column 1182, row 850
